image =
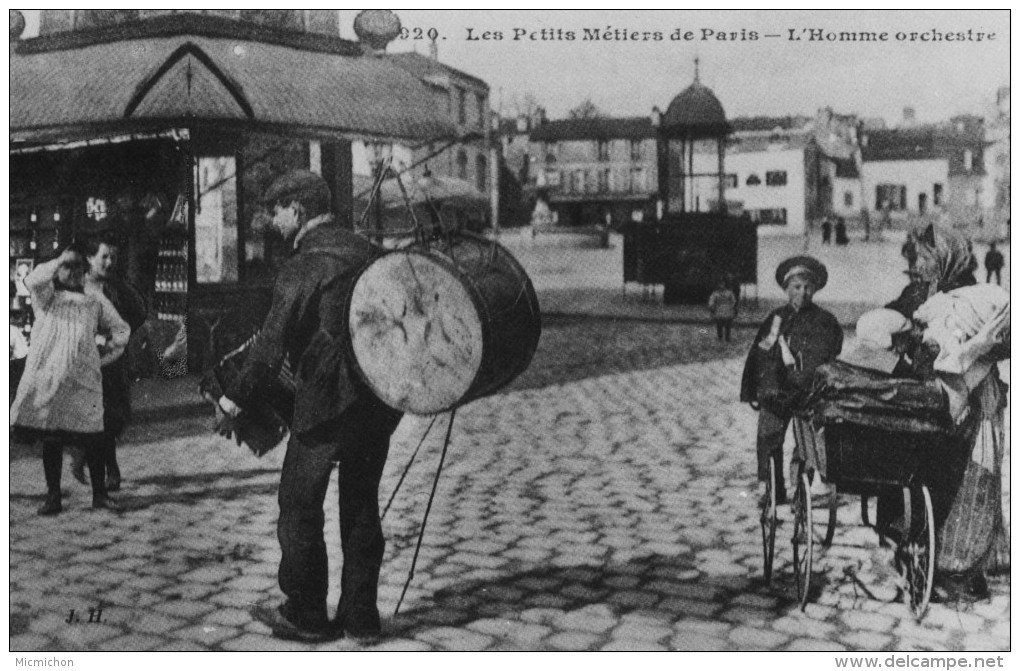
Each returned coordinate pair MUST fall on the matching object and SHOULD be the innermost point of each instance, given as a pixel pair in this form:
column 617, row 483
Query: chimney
column 375, row 29
column 656, row 116
column 909, row 116
column 434, row 50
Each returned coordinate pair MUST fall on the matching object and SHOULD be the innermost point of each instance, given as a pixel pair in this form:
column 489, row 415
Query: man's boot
column 52, row 506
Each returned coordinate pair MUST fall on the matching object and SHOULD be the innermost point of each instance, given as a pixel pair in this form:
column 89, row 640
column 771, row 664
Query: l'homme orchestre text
column 616, row 34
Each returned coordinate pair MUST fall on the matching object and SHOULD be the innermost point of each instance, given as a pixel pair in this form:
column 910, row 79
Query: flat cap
column 303, row 186
column 802, row 265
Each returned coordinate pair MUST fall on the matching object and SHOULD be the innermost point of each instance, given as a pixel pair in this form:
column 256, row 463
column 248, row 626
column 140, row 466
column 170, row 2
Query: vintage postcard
column 674, row 331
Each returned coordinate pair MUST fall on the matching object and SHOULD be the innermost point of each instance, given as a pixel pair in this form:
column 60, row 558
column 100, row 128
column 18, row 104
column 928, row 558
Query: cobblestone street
column 605, row 501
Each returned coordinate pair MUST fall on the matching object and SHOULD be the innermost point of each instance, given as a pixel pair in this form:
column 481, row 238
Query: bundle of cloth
column 965, row 323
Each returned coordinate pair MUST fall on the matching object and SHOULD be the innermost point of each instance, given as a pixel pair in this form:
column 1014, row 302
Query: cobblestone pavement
column 604, row 502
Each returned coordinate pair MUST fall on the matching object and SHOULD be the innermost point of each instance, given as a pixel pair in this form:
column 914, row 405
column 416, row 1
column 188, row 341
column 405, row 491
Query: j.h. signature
column 92, row 615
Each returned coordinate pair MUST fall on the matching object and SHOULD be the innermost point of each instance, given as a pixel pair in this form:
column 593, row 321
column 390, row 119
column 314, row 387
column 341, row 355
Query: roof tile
column 359, row 95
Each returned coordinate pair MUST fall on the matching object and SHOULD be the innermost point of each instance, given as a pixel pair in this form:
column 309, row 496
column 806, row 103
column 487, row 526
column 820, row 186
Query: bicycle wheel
column 769, row 521
column 803, row 538
column 917, row 551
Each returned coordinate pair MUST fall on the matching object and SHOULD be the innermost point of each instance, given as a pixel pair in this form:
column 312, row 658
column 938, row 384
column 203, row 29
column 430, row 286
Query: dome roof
column 696, row 108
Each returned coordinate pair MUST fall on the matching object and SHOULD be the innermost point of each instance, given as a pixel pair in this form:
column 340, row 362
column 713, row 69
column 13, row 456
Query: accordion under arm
column 266, row 417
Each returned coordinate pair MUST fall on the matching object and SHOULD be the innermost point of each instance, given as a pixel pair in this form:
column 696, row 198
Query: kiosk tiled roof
column 198, row 75
column 696, row 107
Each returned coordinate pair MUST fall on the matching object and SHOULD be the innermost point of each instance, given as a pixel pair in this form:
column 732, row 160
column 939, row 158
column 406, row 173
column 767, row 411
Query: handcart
column 865, row 435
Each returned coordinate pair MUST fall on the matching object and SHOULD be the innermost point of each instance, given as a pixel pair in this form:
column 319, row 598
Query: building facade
column 596, row 171
column 768, row 161
column 784, row 172
column 927, row 172
column 998, row 157
column 464, row 161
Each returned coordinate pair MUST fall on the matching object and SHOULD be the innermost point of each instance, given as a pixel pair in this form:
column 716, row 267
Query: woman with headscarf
column 796, row 338
column 965, row 476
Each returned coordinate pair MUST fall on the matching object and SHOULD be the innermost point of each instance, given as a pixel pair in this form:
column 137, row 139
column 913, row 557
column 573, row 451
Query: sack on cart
column 843, row 392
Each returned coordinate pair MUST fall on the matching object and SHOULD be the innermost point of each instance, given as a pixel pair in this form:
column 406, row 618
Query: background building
column 597, row 171
column 927, row 172
column 997, row 163
column 463, row 165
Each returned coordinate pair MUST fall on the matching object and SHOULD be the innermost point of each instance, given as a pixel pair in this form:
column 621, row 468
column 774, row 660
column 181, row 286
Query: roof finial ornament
column 697, row 78
column 376, row 28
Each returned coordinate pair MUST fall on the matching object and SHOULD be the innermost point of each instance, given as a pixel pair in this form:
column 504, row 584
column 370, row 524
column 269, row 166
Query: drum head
column 416, row 333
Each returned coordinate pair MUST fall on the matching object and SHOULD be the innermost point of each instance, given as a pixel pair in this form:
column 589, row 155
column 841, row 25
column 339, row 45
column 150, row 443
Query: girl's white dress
column 62, row 386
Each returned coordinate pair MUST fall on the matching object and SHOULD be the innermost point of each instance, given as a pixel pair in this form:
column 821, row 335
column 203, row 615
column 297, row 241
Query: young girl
column 60, row 396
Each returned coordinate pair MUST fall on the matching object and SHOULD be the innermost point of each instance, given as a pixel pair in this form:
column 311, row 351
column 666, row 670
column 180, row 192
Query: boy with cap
column 336, row 419
column 806, row 337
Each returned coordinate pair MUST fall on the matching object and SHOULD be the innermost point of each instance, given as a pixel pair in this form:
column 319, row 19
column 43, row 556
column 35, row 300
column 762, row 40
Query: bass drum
column 433, row 328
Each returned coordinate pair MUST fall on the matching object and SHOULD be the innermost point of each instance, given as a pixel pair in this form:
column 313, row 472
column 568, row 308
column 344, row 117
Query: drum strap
column 425, row 519
column 435, row 482
column 407, row 468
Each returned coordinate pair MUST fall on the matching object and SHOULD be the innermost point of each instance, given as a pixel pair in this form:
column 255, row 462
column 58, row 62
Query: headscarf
column 941, row 259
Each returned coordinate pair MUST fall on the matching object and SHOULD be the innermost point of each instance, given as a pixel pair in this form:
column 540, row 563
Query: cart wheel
column 918, row 555
column 803, row 539
column 830, row 531
column 768, row 521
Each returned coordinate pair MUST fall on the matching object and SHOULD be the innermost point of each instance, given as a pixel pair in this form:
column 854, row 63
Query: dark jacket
column 306, row 323
column 117, row 376
column 815, row 337
column 994, row 260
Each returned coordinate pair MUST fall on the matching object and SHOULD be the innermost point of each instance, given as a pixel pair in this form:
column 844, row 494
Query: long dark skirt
column 972, row 531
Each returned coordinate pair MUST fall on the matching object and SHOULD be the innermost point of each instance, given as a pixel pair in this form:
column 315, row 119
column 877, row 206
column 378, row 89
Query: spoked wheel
column 803, row 539
column 768, row 521
column 917, row 552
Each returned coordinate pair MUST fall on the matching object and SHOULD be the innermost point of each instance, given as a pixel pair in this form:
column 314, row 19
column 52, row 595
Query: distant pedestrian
column 826, row 231
column 722, row 305
column 841, row 237
column 993, row 265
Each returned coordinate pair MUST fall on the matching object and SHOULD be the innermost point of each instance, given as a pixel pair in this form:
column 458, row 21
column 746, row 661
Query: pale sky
column 767, row 76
